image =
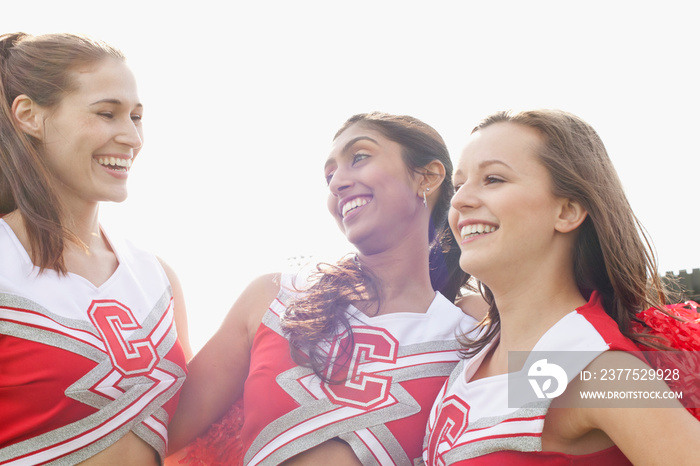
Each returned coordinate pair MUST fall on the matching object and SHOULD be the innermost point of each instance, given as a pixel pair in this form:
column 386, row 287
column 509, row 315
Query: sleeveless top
column 81, row 366
column 476, row 423
column 392, row 375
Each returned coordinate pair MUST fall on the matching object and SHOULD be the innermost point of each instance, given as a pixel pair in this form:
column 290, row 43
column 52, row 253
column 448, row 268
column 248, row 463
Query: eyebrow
column 115, row 102
column 484, row 164
column 349, row 144
column 358, row 138
column 490, row 162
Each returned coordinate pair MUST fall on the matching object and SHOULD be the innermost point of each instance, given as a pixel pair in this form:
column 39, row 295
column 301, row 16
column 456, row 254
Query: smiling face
column 503, row 212
column 373, row 197
column 91, row 137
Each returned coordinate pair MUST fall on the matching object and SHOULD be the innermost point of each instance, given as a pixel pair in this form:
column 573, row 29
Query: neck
column 403, row 274
column 524, row 318
column 530, row 302
column 85, row 225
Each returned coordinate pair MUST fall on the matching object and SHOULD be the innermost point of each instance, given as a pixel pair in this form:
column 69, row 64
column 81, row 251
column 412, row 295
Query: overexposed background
column 242, row 100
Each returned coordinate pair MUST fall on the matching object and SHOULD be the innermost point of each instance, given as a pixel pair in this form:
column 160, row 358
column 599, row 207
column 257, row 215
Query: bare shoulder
column 235, row 335
column 635, row 414
column 172, row 277
column 248, row 310
column 473, row 305
column 166, row 267
column 218, row 371
column 180, row 309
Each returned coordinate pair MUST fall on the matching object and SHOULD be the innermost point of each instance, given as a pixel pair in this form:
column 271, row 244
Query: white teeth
column 355, row 203
column 114, row 162
column 476, row 229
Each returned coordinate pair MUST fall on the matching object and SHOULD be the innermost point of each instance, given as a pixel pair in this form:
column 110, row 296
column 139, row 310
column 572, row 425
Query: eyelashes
column 487, row 180
column 359, row 157
column 493, row 179
column 356, row 158
column 110, row 116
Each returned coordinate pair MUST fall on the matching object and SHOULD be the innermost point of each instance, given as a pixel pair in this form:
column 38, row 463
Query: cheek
column 54, row 158
column 332, row 205
column 538, row 210
column 453, row 219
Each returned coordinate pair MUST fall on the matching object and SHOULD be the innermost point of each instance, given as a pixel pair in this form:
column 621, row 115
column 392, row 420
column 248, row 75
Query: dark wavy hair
column 320, row 311
column 612, row 255
column 42, row 68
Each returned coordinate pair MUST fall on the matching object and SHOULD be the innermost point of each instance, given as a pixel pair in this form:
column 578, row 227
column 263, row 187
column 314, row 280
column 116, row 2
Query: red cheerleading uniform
column 398, row 364
column 472, row 423
column 80, row 365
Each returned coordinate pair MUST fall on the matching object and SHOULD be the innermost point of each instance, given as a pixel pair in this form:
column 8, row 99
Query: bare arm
column 652, row 432
column 217, row 373
column 180, row 310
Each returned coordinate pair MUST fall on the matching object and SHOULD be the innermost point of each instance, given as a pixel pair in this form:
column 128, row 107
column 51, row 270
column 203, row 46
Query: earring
column 425, row 199
column 356, row 261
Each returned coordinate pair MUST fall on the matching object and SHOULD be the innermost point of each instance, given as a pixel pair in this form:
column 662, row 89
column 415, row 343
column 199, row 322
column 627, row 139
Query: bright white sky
column 242, row 101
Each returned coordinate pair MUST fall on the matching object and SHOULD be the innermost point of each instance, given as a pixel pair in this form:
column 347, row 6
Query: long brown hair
column 613, row 255
column 42, row 68
column 320, row 312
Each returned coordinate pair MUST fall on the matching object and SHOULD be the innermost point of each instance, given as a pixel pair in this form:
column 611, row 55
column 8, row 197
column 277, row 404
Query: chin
column 116, row 197
column 354, row 235
column 367, row 245
column 464, row 266
column 471, row 265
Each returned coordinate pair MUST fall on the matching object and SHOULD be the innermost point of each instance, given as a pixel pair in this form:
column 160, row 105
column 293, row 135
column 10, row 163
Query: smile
column 114, row 163
column 353, row 204
column 476, row 229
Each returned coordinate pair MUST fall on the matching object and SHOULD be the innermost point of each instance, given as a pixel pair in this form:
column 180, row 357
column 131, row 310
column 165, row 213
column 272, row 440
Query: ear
column 29, row 116
column 571, row 216
column 430, row 177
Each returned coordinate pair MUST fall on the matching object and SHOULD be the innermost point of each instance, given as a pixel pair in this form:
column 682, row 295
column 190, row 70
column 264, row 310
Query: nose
column 131, row 134
column 465, row 197
column 340, row 181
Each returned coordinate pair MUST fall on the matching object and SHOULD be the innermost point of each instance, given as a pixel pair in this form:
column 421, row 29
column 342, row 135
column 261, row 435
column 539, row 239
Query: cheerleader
column 544, row 226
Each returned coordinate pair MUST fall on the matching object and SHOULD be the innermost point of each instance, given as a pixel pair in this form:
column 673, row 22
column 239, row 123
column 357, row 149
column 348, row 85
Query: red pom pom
column 221, row 445
column 682, row 334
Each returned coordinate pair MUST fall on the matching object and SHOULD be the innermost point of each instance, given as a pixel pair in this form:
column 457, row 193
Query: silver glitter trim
column 373, row 420
column 80, row 390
